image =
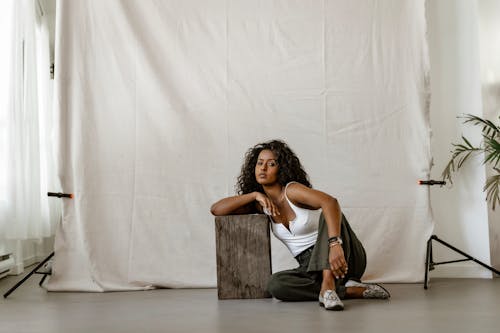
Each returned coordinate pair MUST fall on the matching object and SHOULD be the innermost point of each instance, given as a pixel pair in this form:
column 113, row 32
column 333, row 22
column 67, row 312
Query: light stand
column 429, row 260
column 36, row 269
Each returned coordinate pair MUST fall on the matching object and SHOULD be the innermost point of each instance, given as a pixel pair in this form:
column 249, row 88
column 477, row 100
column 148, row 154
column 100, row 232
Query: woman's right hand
column 267, row 204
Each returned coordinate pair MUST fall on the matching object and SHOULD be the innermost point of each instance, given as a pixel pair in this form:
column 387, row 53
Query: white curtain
column 159, row 100
column 26, row 151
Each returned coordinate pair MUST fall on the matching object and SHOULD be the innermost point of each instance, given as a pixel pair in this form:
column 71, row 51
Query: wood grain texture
column 243, row 256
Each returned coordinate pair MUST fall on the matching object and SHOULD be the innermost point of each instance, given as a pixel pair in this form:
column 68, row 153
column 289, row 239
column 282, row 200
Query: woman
column 309, row 222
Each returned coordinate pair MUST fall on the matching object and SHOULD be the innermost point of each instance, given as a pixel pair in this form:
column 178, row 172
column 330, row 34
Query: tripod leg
column 466, row 255
column 43, row 279
column 431, row 256
column 427, row 262
column 28, row 276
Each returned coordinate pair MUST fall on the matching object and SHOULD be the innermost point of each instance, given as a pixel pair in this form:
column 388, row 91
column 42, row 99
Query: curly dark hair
column 289, row 167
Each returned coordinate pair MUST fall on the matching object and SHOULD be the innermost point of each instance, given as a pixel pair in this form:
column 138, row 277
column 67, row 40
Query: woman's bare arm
column 248, row 203
column 303, row 195
column 238, row 204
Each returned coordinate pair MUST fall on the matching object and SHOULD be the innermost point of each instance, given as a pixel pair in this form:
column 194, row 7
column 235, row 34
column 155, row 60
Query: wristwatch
column 335, row 239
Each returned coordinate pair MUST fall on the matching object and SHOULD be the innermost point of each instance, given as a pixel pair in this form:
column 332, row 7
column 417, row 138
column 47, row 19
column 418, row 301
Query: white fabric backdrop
column 159, row 100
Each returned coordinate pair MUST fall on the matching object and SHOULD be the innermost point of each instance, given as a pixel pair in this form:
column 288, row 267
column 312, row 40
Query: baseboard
column 455, row 270
column 19, row 267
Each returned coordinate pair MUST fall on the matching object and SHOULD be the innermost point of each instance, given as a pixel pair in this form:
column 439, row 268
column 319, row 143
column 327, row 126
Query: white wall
column 460, row 211
column 489, row 38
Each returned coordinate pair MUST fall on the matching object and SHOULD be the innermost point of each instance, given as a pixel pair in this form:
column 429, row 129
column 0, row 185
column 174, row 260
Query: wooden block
column 243, row 256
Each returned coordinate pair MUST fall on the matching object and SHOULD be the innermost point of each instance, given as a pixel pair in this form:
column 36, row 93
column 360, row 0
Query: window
column 6, row 23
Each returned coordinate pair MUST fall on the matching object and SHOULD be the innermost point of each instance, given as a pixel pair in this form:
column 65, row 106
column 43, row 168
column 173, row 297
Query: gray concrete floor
column 449, row 305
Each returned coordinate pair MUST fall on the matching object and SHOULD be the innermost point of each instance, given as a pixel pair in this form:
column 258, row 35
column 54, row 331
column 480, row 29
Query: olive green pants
column 304, row 282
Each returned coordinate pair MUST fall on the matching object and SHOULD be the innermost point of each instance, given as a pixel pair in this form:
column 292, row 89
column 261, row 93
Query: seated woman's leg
column 328, row 282
column 353, row 250
column 356, row 260
column 295, row 285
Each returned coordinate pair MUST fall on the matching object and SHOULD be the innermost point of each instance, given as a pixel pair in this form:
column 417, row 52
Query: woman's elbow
column 217, row 210
column 214, row 210
column 332, row 202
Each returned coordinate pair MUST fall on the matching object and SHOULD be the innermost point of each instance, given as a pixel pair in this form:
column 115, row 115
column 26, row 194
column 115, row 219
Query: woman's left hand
column 338, row 265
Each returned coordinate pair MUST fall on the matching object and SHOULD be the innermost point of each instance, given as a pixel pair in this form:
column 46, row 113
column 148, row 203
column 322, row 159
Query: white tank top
column 303, row 229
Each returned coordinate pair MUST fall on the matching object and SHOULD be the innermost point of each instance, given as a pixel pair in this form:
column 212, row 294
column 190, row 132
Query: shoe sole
column 387, row 291
column 335, row 308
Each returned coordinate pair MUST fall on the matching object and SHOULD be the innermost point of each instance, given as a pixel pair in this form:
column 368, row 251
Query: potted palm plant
column 490, row 146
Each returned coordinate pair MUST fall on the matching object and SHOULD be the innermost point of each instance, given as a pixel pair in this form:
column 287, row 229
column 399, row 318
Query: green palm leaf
column 492, row 190
column 491, row 149
column 489, row 128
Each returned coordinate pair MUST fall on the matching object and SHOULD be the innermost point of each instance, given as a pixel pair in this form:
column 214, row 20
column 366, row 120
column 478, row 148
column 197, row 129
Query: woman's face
column 266, row 169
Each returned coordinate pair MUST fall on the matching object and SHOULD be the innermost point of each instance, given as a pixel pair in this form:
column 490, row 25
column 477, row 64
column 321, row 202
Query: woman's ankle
column 328, row 281
column 354, row 292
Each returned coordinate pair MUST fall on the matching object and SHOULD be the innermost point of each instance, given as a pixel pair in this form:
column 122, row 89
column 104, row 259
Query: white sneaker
column 372, row 290
column 331, row 301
